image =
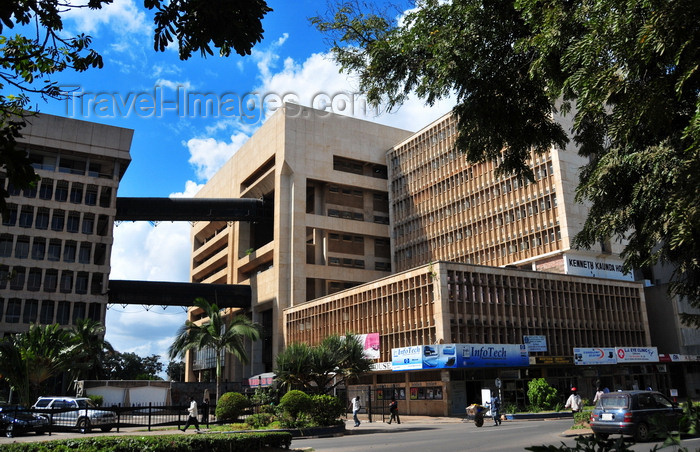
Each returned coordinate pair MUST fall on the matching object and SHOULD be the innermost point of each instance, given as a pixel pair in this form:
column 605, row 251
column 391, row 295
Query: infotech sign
column 453, row 356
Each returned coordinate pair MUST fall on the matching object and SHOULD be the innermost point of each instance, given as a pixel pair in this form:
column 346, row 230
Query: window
column 42, row 218
column 34, row 279
column 66, row 281
column 57, row 220
column 96, row 284
column 46, row 189
column 31, row 308
column 81, row 283
column 102, row 225
column 54, row 250
column 106, row 197
column 30, row 192
column 76, row 193
column 38, row 248
column 10, row 218
column 78, row 311
column 22, row 247
column 73, row 223
column 51, row 281
column 6, row 245
column 69, row 251
column 14, row 307
column 88, row 223
column 94, row 312
column 12, row 190
column 84, row 253
column 26, row 217
column 63, row 313
column 91, row 195
column 61, row 191
column 17, row 281
column 46, row 314
column 4, row 273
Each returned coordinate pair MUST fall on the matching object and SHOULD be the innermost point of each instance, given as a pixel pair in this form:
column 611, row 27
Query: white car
column 75, row 412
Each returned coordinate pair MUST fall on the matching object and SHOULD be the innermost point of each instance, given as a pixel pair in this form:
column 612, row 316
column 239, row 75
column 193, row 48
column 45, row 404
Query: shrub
column 326, row 409
column 260, row 420
column 295, row 402
column 230, row 406
column 541, row 394
column 98, row 400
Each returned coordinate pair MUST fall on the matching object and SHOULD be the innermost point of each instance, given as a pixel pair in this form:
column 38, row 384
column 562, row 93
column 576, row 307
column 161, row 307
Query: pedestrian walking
column 356, row 405
column 192, row 415
column 394, row 410
column 205, row 412
column 574, row 401
column 496, row 410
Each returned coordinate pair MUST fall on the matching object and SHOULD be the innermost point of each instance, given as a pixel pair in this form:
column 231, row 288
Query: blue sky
column 176, row 152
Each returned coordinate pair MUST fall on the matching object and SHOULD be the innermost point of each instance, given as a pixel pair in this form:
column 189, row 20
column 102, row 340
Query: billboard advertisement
column 591, row 356
column 451, row 356
column 370, row 344
column 637, row 355
column 535, row 343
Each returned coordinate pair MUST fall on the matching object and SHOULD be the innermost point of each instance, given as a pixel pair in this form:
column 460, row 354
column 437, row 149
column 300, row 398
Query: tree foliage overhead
column 628, row 70
column 41, row 48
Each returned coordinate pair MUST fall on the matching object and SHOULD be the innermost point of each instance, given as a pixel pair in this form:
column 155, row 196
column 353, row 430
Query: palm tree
column 29, row 359
column 218, row 334
column 337, row 360
column 93, row 349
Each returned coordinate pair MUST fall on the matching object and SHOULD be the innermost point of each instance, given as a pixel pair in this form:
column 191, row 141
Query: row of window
column 39, row 249
column 43, row 218
column 50, row 280
column 47, row 312
column 484, row 256
column 62, row 191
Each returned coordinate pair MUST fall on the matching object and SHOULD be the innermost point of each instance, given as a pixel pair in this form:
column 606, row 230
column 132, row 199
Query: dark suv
column 641, row 414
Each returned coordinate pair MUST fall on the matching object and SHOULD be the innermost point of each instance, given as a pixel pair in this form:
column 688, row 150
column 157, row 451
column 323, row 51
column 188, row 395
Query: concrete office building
column 56, row 240
column 336, row 204
column 324, row 177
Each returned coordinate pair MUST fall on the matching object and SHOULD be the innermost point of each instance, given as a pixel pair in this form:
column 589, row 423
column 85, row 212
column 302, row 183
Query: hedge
column 213, row 442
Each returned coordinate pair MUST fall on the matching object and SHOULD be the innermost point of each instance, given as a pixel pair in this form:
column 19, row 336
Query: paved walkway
column 377, row 425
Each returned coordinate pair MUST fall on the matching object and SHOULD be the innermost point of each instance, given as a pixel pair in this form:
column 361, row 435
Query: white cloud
column 208, row 154
column 122, row 16
column 174, row 85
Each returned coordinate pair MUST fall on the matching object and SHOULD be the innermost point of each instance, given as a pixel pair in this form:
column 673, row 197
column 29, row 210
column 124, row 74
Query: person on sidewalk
column 356, row 409
column 496, row 409
column 394, row 410
column 192, row 418
column 574, row 402
column 205, row 412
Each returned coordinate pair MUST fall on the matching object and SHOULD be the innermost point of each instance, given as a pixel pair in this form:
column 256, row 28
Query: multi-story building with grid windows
column 56, row 239
column 377, row 231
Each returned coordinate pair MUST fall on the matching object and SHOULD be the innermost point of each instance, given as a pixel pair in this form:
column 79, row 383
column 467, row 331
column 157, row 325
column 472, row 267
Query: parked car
column 16, row 419
column 75, row 412
column 641, row 414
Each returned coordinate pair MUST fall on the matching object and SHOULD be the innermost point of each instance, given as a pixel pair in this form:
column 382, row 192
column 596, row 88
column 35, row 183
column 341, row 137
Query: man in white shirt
column 192, row 418
column 355, row 410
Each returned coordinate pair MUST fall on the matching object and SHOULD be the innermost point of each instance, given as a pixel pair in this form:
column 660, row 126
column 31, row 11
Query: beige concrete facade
column 444, row 208
column 56, row 240
column 325, row 177
column 452, row 303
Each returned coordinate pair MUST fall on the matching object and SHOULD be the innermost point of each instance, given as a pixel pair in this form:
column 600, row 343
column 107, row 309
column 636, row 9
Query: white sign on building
column 599, row 267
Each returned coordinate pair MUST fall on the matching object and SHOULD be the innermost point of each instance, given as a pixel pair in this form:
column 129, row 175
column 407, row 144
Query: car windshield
column 614, row 402
column 85, row 403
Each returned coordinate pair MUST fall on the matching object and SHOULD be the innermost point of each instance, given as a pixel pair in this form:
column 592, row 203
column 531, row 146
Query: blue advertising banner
column 451, row 356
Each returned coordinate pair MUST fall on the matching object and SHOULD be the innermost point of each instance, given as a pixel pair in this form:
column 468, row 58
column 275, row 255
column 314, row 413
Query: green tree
column 218, row 333
column 541, row 395
column 130, row 366
column 628, row 71
column 29, row 359
column 41, row 49
column 92, row 350
column 336, row 361
column 175, row 371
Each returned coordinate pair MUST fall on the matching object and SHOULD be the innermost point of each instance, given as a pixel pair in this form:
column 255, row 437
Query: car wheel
column 642, row 432
column 105, row 429
column 84, row 425
column 10, row 431
column 602, row 436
